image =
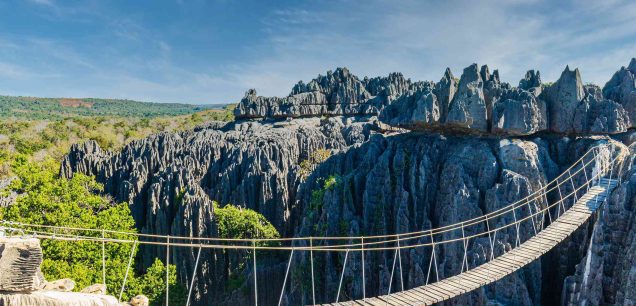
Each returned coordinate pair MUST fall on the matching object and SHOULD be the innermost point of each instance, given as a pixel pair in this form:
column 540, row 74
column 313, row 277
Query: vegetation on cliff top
column 34, row 137
column 38, row 139
column 58, row 108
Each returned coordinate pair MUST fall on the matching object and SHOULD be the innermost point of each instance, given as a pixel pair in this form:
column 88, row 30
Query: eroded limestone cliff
column 477, row 144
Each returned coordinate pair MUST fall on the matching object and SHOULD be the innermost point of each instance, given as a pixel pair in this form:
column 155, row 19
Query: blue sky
column 213, row 51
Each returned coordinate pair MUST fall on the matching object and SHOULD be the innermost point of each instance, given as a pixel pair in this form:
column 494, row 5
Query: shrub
column 315, row 158
column 47, row 199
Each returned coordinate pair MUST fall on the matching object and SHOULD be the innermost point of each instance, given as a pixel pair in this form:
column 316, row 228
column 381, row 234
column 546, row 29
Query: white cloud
column 420, row 39
column 43, row 2
column 417, row 38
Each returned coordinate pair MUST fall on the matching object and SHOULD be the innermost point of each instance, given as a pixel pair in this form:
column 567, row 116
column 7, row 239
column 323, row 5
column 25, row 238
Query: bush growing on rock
column 47, row 199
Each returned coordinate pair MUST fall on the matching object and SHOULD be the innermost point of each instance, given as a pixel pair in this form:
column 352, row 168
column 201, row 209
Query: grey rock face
column 607, row 274
column 171, row 179
column 392, row 86
column 622, row 89
column 407, row 183
column 337, row 93
column 493, row 87
column 531, row 82
column 480, row 103
column 519, row 112
column 596, row 115
column 445, row 91
column 563, row 98
column 468, row 109
column 20, row 261
column 414, row 108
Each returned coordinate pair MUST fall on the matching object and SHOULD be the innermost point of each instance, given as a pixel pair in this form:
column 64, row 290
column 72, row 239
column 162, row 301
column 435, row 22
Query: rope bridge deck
column 503, row 265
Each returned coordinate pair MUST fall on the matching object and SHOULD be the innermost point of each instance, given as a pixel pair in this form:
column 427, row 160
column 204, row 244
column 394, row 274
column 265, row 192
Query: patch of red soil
column 69, row 102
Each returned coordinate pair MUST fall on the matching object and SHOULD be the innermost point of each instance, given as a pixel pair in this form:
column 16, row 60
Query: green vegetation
column 35, row 134
column 316, row 201
column 243, row 223
column 48, row 199
column 315, row 158
column 57, row 108
column 38, row 139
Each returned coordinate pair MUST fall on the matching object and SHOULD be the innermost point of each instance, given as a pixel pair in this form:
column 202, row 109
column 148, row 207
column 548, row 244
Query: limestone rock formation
column 519, row 112
column 22, row 284
column 563, row 98
column 408, row 182
column 596, row 115
column 622, row 89
column 20, row 261
column 468, row 109
column 337, row 93
column 170, row 179
column 445, row 91
column 414, row 108
column 607, row 274
column 531, row 82
column 480, row 103
column 385, row 183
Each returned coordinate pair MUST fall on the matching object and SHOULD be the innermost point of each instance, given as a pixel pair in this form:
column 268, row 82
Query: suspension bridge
column 527, row 229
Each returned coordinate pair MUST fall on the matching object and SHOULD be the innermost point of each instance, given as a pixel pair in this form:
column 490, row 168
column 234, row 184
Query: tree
column 47, row 199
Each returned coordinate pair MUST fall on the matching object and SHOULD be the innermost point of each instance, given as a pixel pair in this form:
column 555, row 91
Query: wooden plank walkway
column 503, row 265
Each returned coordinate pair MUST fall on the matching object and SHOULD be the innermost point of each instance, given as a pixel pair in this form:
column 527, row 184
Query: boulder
column 56, row 298
column 62, row 285
column 139, row 300
column 468, row 109
column 563, row 98
column 95, row 289
column 20, row 260
column 22, row 283
column 519, row 112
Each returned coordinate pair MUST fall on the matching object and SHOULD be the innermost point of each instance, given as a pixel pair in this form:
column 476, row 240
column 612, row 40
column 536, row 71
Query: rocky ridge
column 337, row 93
column 478, row 103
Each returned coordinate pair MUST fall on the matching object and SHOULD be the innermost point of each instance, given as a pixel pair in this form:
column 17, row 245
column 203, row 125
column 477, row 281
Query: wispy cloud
column 43, row 2
column 422, row 38
column 110, row 51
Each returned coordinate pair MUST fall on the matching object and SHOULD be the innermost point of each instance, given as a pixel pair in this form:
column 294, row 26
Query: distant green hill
column 57, row 108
